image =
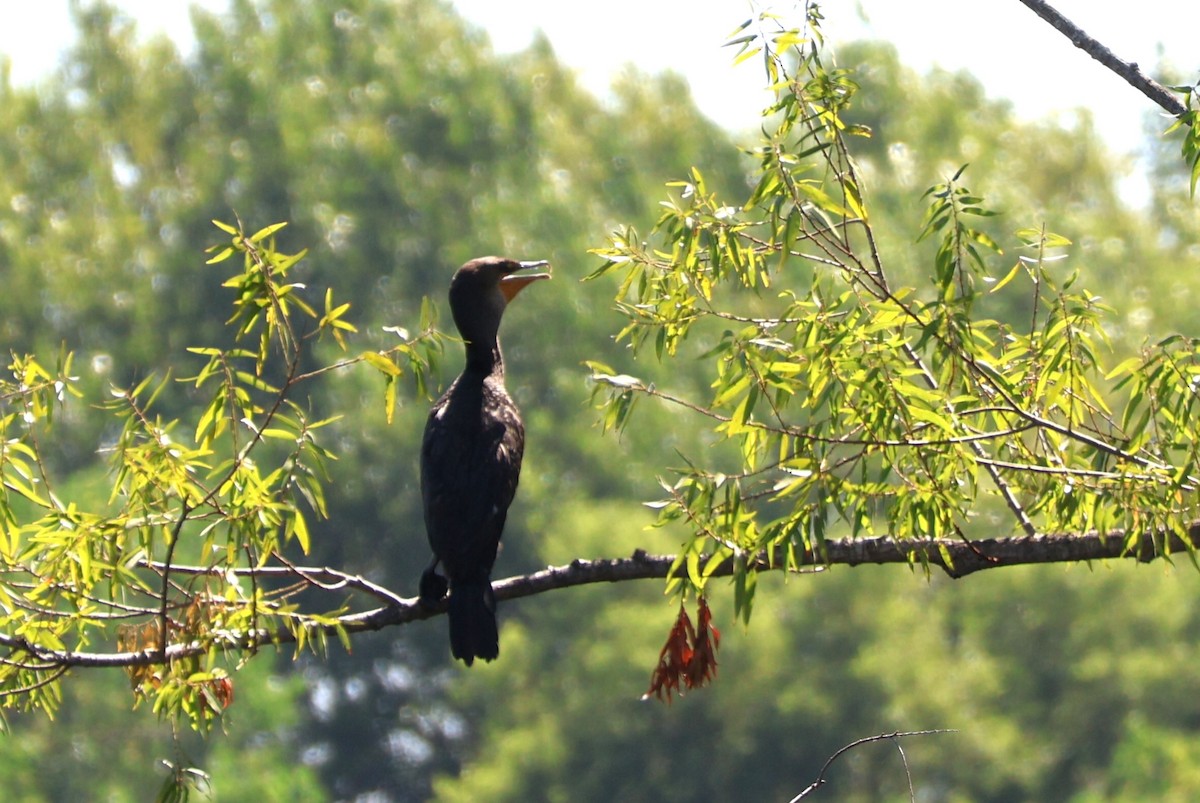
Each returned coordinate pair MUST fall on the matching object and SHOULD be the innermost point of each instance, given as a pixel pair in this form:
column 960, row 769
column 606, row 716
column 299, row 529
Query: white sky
column 1012, row 52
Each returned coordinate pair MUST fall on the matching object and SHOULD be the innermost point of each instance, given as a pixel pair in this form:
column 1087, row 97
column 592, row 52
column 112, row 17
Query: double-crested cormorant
column 471, row 458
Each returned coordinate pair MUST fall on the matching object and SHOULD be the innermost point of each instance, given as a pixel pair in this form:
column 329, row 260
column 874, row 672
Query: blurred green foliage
column 398, row 145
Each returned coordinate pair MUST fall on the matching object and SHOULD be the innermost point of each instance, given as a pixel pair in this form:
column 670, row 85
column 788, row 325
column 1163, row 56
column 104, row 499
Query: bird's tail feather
column 473, row 632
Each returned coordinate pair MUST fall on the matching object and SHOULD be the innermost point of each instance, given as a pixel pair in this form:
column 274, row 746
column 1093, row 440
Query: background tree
column 526, row 160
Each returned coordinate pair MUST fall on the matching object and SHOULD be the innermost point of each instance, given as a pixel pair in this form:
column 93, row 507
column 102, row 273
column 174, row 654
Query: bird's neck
column 485, row 358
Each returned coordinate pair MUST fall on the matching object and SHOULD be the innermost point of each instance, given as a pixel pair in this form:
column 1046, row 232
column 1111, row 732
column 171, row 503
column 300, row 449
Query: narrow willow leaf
column 382, row 363
column 263, row 233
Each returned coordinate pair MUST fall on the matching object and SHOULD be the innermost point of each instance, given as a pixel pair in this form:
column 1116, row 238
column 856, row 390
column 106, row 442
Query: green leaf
column 930, row 417
column 382, row 363
column 263, row 233
column 389, row 398
column 1007, row 278
column 747, row 54
column 223, row 255
column 821, row 199
column 300, row 530
column 693, row 569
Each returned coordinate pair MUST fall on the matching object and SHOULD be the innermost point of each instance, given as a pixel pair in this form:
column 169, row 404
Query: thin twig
column 164, row 624
column 37, row 684
column 894, row 737
column 320, row 576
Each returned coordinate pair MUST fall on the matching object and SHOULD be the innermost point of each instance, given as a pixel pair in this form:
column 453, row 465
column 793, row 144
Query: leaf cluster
column 233, row 494
column 857, row 406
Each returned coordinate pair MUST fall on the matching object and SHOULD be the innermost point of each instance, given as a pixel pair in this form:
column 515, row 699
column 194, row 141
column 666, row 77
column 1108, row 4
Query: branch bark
column 957, row 558
column 1127, row 70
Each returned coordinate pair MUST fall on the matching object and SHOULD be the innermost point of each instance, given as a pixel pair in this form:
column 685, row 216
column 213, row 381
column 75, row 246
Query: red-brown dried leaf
column 216, row 695
column 674, row 660
column 702, row 667
column 223, row 689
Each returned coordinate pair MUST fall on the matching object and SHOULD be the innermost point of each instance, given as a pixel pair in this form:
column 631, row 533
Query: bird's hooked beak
column 515, row 282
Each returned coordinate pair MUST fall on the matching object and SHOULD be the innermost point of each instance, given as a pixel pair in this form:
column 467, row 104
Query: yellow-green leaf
column 382, row 363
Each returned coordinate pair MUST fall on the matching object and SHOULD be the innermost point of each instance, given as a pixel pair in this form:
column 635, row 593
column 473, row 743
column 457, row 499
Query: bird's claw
column 433, row 586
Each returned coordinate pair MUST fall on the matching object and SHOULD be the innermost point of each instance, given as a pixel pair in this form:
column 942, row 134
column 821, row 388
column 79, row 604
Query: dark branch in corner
column 957, row 558
column 1127, row 70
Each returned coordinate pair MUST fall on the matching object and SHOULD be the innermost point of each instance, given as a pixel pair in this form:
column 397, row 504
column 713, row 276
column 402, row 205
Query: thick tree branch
column 958, row 558
column 1127, row 70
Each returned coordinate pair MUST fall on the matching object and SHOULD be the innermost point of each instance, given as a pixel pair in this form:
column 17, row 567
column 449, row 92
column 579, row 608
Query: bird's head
column 482, row 288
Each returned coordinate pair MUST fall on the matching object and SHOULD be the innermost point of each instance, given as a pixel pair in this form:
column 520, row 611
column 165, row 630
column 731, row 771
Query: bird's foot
column 433, row 586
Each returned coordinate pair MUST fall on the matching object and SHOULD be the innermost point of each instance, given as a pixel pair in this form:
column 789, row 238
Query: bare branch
column 956, row 557
column 1127, row 70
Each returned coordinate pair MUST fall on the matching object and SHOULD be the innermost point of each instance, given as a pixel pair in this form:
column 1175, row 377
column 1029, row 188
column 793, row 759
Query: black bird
column 471, row 458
